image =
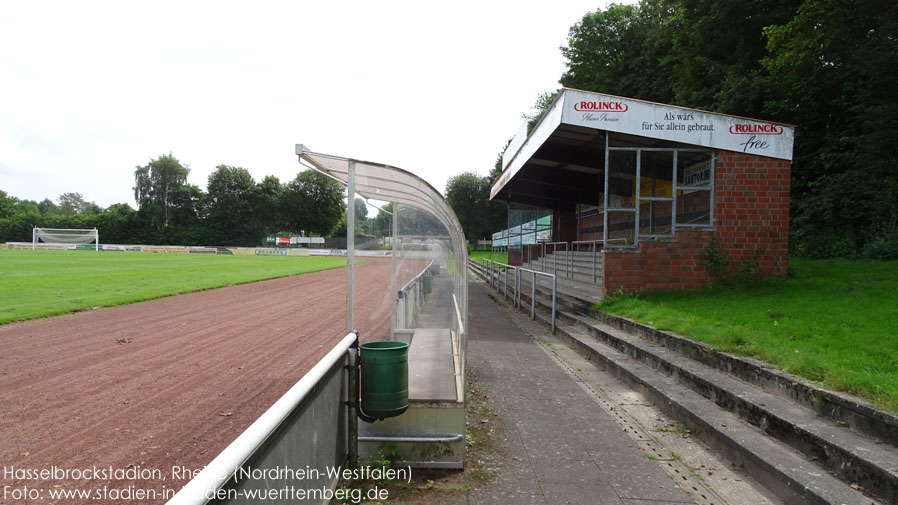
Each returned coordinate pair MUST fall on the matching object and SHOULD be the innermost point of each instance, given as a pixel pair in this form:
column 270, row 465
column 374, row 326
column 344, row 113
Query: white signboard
column 677, row 124
column 648, row 119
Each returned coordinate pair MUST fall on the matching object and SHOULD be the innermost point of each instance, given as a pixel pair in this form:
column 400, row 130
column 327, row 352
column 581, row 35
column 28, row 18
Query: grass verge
column 45, row 283
column 836, row 323
column 478, row 256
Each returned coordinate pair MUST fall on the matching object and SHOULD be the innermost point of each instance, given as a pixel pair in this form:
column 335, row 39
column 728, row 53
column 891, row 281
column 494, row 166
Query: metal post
column 570, row 262
column 506, row 281
column 605, row 196
column 352, row 387
column 394, row 231
column 554, row 285
column 350, row 242
column 533, row 298
column 594, row 244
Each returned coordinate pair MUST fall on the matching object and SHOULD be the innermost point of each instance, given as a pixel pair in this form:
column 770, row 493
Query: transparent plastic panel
column 411, row 255
column 655, row 217
column 621, row 189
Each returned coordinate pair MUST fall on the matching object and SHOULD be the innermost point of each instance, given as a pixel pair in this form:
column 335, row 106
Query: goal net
column 67, row 236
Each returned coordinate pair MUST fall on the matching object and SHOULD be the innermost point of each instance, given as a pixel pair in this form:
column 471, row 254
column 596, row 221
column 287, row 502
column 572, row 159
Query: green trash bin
column 428, row 283
column 384, row 378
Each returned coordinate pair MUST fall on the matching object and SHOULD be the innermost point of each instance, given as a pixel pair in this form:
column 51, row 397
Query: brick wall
column 751, row 213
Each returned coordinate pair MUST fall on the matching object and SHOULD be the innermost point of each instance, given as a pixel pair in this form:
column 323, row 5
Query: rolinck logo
column 756, row 129
column 601, row 107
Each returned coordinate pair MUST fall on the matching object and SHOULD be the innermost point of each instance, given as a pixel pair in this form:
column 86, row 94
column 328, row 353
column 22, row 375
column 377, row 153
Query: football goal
column 65, row 236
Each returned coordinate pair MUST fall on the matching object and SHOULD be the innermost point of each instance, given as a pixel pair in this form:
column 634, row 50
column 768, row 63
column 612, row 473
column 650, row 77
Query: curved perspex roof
column 376, row 181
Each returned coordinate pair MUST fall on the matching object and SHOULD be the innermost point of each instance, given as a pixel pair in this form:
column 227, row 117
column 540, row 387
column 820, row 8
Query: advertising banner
column 271, row 252
column 677, row 124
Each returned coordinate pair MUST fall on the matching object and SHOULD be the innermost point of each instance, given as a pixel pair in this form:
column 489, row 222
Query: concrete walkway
column 558, row 446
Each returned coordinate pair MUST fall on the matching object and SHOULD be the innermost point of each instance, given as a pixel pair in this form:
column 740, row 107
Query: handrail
column 516, row 294
column 487, row 272
column 533, row 292
column 461, row 324
column 217, row 473
column 555, row 256
column 507, row 268
column 414, row 279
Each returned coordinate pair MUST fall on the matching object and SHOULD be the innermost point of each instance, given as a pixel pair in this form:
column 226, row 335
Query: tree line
column 234, row 209
column 826, row 66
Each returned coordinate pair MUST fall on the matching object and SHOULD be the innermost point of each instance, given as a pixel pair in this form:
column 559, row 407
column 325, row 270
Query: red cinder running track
column 169, row 382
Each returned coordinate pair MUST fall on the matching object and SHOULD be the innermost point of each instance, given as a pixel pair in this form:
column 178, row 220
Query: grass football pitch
column 45, row 283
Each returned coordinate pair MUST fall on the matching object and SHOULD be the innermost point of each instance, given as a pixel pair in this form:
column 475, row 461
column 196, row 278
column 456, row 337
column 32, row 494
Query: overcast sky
column 89, row 90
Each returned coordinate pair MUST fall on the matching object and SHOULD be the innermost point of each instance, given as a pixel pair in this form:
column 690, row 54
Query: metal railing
column 595, row 249
column 410, row 297
column 567, row 255
column 555, row 245
column 497, row 268
column 314, row 404
column 493, row 271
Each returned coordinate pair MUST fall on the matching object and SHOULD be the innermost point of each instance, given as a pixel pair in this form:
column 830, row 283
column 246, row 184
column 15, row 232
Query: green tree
column 71, row 204
column 268, row 197
column 158, row 189
column 232, row 205
column 312, row 203
column 362, row 223
column 468, row 194
column 6, row 204
column 187, row 207
column 119, row 224
column 833, row 69
column 715, row 59
column 382, row 223
column 26, row 207
column 47, row 207
column 361, row 216
column 622, row 50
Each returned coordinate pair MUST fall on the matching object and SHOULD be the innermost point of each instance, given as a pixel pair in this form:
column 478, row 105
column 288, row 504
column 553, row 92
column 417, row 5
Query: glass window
column 656, row 174
column 693, row 207
column 655, row 217
column 621, row 179
column 694, row 169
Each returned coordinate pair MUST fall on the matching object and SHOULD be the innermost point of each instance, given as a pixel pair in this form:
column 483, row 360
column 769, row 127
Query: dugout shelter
column 648, row 188
column 428, row 307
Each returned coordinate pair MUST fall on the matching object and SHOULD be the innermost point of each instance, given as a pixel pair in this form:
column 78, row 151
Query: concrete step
column 789, row 475
column 582, row 274
column 853, row 456
column 814, row 433
column 580, row 260
column 581, row 266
